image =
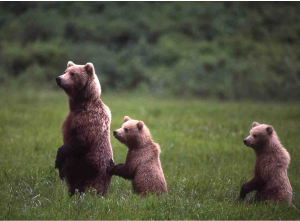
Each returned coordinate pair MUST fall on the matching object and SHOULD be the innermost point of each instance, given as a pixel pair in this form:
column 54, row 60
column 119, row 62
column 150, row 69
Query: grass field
column 203, row 158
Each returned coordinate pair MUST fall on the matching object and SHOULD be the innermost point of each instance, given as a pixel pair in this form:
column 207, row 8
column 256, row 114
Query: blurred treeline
column 227, row 50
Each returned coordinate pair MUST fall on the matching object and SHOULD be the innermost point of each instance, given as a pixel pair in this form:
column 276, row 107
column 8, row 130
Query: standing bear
column 142, row 164
column 272, row 160
column 86, row 152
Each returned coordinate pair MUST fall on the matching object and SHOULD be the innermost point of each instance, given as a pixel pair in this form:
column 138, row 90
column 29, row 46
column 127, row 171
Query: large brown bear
column 86, row 152
column 272, row 160
column 142, row 164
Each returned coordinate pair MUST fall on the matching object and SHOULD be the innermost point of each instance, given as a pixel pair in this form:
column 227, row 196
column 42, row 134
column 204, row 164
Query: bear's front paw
column 58, row 164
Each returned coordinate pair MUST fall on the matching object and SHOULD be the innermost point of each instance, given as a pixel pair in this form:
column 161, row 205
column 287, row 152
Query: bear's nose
column 115, row 133
column 58, row 80
column 245, row 141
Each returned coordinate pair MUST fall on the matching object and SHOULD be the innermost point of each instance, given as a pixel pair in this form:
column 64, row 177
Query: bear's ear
column 140, row 125
column 269, row 129
column 70, row 63
column 89, row 67
column 126, row 118
column 255, row 124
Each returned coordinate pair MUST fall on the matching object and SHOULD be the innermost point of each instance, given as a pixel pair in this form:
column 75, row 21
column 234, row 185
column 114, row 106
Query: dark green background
column 227, row 50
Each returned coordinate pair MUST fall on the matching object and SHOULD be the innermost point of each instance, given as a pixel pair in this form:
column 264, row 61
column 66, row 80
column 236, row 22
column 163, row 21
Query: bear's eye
column 126, row 129
column 255, row 135
column 72, row 74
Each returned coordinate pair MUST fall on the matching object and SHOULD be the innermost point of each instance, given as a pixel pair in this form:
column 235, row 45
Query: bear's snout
column 117, row 136
column 115, row 133
column 58, row 81
column 245, row 141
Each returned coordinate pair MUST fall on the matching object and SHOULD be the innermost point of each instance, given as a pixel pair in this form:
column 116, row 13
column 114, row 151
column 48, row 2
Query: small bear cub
column 142, row 164
column 272, row 160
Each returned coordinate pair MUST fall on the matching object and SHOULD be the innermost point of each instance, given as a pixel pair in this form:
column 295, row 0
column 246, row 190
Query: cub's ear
column 254, row 124
column 269, row 129
column 89, row 67
column 126, row 118
column 140, row 125
column 70, row 63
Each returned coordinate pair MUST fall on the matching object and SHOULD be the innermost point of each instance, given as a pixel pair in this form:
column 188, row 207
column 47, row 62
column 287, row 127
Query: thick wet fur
column 86, row 152
column 272, row 160
column 142, row 164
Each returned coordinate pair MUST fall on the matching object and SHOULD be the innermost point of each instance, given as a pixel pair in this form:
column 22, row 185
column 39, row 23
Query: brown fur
column 86, row 152
column 142, row 164
column 272, row 160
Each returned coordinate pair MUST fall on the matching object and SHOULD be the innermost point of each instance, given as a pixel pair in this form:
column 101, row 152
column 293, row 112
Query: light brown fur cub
column 142, row 164
column 272, row 160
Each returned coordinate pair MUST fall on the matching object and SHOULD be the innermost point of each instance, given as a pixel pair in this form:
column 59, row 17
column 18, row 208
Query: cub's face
column 259, row 135
column 131, row 132
column 75, row 77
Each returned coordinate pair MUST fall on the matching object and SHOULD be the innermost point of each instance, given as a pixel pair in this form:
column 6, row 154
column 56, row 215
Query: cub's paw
column 109, row 170
column 111, row 163
column 239, row 199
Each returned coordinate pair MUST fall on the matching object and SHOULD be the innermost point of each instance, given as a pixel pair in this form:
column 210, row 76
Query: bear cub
column 272, row 160
column 142, row 164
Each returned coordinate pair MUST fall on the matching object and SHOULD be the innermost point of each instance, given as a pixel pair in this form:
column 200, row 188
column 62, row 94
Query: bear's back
column 149, row 175
column 272, row 166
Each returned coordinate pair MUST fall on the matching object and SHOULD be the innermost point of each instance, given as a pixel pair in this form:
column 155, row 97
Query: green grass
column 203, row 158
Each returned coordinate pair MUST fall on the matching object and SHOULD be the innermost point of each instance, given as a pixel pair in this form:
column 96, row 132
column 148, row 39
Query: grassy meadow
column 203, row 158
